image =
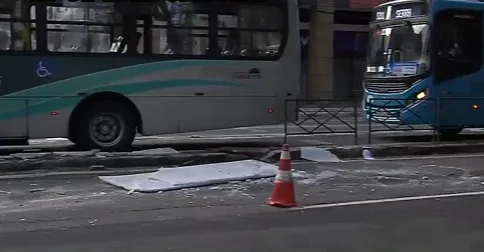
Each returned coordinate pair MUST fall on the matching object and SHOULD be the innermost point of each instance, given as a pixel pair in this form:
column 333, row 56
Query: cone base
column 280, row 204
column 282, row 195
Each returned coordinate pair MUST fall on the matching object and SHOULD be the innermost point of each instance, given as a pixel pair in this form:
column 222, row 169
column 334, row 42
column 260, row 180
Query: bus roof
column 413, row 1
column 398, row 2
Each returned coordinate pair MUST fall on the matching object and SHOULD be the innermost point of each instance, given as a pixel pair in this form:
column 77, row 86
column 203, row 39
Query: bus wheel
column 107, row 126
column 450, row 132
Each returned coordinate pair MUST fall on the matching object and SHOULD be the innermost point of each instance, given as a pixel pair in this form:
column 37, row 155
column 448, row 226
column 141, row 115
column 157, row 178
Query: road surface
column 446, row 225
column 83, row 214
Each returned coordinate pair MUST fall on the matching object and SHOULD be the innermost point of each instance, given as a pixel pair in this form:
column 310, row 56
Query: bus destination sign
column 397, row 11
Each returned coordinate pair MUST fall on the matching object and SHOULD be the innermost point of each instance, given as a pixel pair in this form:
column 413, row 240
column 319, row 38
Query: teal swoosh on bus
column 71, row 86
column 59, row 103
column 84, row 82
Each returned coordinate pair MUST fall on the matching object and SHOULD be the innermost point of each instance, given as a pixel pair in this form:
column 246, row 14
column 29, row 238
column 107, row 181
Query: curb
column 77, row 174
column 99, row 163
column 354, row 152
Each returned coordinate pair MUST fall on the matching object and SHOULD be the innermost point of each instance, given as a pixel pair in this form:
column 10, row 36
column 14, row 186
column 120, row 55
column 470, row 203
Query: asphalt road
column 421, row 226
column 83, row 214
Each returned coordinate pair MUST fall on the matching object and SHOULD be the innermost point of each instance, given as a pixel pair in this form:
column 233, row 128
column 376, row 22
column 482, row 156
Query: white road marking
column 417, row 158
column 389, row 200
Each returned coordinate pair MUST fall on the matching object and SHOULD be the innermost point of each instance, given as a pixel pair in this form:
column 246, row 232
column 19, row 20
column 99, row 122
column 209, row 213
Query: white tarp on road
column 318, row 155
column 166, row 179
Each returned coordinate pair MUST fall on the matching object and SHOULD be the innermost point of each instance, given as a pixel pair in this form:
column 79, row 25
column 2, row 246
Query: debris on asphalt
column 37, row 190
column 157, row 151
column 96, row 167
column 318, row 155
column 367, row 155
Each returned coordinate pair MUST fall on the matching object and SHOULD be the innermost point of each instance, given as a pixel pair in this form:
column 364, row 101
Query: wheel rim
column 106, row 129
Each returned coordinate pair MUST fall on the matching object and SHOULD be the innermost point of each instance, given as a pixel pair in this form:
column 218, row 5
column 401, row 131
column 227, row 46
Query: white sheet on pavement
column 318, row 155
column 367, row 155
column 166, row 179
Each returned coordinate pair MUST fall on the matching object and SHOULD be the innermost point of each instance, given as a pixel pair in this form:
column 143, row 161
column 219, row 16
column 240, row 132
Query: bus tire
column 450, row 132
column 107, row 126
column 73, row 139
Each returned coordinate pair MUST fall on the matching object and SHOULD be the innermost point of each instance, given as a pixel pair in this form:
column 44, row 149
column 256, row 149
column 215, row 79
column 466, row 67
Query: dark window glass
column 458, row 40
column 255, row 30
column 16, row 25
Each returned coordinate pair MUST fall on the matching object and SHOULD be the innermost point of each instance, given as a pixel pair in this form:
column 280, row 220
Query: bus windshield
column 399, row 51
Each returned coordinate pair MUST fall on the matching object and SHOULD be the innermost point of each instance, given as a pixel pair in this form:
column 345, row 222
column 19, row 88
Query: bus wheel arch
column 87, row 105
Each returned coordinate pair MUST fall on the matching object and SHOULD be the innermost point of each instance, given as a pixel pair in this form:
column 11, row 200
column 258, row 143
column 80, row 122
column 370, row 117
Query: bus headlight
column 421, row 95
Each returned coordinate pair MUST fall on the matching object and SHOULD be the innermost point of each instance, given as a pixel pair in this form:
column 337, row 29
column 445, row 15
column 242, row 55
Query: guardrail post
column 286, row 119
column 437, row 104
column 355, row 114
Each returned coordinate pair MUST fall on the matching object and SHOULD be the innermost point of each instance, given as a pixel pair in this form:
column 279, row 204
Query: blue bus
column 424, row 64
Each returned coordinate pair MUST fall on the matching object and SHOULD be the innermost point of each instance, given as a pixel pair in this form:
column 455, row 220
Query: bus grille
column 386, row 87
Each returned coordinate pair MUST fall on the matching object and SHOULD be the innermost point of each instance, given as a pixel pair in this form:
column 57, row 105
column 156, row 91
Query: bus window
column 407, row 41
column 180, row 28
column 80, row 28
column 15, row 26
column 459, row 43
column 246, row 30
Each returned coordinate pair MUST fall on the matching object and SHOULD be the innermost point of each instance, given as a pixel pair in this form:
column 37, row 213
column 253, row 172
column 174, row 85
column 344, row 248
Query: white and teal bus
column 99, row 73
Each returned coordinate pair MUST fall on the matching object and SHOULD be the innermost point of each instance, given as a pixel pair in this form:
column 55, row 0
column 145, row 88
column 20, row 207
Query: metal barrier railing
column 315, row 116
column 441, row 117
column 387, row 114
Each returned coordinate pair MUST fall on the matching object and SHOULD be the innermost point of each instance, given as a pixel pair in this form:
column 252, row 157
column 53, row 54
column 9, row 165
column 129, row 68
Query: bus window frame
column 212, row 32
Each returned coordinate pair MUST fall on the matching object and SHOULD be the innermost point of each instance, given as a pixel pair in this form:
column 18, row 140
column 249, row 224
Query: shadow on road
column 430, row 138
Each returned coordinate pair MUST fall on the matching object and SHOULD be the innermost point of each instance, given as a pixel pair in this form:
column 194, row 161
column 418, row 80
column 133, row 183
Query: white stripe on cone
column 284, row 176
column 285, row 155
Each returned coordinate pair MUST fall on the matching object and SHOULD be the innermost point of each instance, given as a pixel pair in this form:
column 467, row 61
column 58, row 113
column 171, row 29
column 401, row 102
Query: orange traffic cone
column 283, row 194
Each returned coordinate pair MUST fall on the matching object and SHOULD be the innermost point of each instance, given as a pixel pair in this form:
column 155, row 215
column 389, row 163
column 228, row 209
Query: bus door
column 458, row 75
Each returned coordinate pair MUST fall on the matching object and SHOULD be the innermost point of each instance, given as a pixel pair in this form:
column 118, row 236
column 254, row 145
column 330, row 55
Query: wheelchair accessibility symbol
column 42, row 71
